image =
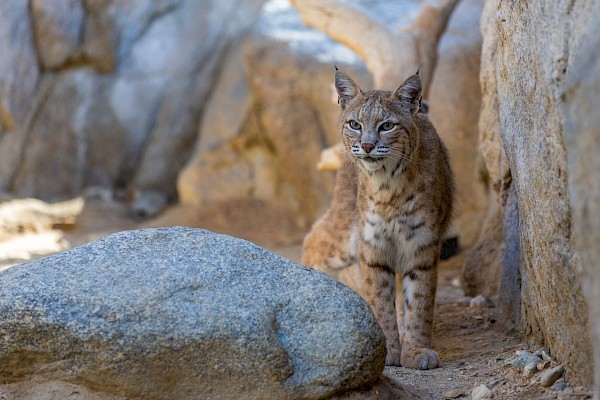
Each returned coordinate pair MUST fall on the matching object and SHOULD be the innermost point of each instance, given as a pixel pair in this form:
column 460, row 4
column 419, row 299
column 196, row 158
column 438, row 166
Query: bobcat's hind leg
column 332, row 243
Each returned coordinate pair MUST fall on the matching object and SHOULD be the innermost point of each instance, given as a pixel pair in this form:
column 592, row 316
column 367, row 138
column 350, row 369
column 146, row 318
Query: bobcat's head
column 377, row 127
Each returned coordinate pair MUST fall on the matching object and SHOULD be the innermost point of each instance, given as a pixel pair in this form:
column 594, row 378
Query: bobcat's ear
column 347, row 90
column 409, row 93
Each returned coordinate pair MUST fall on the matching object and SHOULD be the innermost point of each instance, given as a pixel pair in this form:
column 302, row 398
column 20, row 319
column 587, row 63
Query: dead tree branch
column 390, row 56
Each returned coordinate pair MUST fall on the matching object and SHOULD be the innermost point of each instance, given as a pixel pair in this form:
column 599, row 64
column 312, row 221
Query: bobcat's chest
column 395, row 225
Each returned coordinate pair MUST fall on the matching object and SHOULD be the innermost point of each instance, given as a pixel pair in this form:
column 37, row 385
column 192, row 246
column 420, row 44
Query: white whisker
column 400, row 156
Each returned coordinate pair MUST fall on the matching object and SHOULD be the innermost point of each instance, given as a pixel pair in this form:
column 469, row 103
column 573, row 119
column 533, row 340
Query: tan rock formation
column 263, row 132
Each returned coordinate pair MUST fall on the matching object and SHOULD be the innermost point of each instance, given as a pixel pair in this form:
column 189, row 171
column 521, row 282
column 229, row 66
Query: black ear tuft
column 346, row 89
column 409, row 93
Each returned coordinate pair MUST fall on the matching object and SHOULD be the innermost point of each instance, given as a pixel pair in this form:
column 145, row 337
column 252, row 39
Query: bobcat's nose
column 367, row 147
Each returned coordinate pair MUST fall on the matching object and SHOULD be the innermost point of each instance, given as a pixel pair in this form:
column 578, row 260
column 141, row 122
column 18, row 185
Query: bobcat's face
column 376, row 133
column 377, row 126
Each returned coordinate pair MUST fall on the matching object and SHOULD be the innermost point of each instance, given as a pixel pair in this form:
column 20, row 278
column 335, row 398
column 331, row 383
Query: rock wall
column 265, row 142
column 582, row 141
column 535, row 123
column 107, row 93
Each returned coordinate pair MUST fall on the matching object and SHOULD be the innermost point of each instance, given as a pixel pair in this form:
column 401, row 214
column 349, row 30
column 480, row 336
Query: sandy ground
column 472, row 348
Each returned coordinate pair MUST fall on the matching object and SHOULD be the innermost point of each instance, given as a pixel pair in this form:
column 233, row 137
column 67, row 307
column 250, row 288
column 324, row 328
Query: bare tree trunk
column 390, row 56
column 427, row 29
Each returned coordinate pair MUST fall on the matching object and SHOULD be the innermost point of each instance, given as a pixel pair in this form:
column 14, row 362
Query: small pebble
column 551, row 376
column 543, row 365
column 522, row 359
column 481, row 392
column 481, row 301
column 464, row 301
column 530, row 369
column 535, row 381
column 544, row 354
column 454, row 393
column 496, row 382
column 559, row 385
column 456, row 283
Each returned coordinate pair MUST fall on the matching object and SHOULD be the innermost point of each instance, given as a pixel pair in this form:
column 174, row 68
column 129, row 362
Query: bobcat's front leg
column 419, row 286
column 379, row 285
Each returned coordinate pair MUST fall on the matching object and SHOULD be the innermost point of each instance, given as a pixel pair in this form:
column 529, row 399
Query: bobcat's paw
column 420, row 358
column 393, row 358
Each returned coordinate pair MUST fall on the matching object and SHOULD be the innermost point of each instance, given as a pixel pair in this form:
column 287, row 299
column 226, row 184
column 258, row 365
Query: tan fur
column 388, row 213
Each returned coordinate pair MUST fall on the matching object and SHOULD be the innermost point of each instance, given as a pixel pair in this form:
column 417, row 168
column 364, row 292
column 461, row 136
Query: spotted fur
column 392, row 204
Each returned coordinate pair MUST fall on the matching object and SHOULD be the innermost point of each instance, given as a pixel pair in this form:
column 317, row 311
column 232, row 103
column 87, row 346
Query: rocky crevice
column 45, row 88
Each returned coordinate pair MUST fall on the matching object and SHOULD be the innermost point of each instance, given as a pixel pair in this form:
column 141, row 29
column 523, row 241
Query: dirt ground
column 472, row 348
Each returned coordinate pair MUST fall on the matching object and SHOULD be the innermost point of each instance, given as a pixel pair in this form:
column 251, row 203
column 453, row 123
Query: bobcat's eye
column 354, row 125
column 387, row 126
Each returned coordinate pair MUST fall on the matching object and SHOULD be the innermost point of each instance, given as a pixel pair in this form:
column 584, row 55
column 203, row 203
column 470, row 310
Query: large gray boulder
column 179, row 313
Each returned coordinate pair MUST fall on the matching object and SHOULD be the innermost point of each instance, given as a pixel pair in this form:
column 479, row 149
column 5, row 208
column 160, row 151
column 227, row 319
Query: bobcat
column 392, row 204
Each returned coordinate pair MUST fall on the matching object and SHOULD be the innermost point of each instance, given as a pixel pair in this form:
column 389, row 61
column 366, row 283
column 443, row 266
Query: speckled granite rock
column 184, row 313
